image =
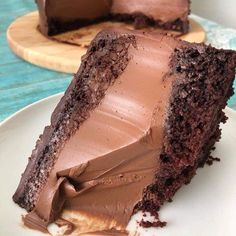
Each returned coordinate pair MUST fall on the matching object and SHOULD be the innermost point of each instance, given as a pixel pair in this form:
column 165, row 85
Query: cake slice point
column 140, row 116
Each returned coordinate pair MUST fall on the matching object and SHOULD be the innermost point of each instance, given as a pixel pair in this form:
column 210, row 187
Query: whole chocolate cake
column 140, row 116
column 58, row 16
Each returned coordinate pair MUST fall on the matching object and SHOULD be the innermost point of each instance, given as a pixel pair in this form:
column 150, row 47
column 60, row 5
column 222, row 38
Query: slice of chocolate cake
column 58, row 16
column 140, row 116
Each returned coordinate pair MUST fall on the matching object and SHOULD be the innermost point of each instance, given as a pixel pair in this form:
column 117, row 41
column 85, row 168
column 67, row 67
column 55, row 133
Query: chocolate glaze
column 105, row 166
column 61, row 15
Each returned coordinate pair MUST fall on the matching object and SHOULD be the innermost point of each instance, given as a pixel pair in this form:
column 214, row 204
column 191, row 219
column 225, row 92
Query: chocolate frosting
column 105, row 166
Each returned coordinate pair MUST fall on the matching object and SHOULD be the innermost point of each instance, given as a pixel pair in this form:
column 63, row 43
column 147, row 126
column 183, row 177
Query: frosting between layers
column 105, row 166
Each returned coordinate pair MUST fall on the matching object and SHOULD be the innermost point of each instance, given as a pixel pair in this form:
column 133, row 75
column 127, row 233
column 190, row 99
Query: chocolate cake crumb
column 155, row 223
column 211, row 160
column 148, row 224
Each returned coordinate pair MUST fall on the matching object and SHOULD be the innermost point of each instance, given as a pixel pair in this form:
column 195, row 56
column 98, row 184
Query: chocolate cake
column 58, row 16
column 140, row 116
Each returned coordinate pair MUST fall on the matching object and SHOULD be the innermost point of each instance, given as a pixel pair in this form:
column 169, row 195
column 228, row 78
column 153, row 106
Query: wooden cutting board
column 63, row 52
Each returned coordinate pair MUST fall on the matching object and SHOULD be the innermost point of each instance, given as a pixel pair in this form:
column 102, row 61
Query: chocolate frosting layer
column 105, row 166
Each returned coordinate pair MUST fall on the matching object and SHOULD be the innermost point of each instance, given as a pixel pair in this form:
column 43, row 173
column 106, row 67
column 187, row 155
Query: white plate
column 206, row 207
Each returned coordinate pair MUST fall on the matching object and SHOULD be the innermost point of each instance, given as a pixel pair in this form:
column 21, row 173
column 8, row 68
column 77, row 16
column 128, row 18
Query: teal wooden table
column 22, row 83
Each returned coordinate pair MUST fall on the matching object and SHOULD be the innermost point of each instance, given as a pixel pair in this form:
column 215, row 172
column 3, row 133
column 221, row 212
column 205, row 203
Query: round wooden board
column 28, row 43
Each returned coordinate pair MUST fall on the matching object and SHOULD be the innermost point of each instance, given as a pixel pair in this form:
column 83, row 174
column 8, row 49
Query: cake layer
column 138, row 119
column 58, row 16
